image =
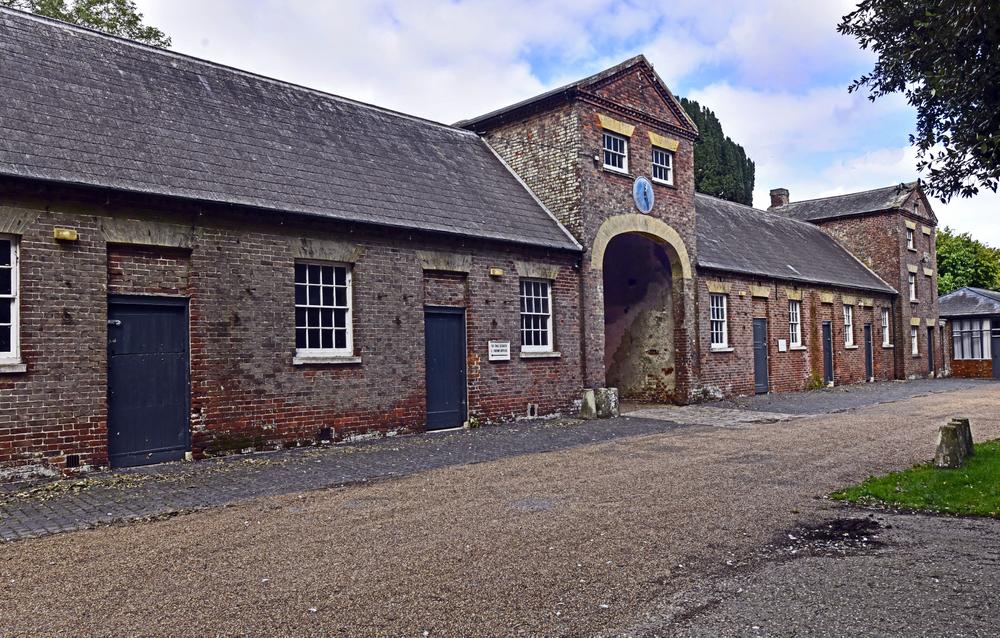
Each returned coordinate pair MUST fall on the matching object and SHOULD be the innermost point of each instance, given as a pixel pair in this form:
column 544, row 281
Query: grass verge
column 973, row 489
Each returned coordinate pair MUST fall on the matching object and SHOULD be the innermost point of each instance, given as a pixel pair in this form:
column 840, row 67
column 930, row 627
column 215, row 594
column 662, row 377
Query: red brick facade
column 238, row 275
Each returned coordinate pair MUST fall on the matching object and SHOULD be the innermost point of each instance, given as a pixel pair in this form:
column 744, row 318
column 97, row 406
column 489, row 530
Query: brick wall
column 239, row 276
column 879, row 240
column 732, row 371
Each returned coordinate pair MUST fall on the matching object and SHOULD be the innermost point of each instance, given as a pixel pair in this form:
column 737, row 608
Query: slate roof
column 887, row 198
column 567, row 91
column 969, row 302
column 740, row 239
column 85, row 108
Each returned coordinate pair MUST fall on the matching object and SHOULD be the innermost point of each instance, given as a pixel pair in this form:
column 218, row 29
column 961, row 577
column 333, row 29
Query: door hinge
column 114, row 322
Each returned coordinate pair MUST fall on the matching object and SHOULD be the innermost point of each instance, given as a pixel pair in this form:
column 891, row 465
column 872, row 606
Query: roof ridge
column 870, row 190
column 762, row 211
column 225, row 67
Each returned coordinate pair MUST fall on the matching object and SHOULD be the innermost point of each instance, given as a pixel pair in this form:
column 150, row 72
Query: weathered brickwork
column 731, row 371
column 238, row 275
column 972, row 368
column 879, row 240
column 598, row 195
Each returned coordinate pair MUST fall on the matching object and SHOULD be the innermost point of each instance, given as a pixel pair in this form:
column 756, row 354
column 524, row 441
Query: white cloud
column 775, row 72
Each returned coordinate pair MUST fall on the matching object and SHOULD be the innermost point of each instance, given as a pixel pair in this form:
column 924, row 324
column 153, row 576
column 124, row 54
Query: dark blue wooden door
column 827, row 352
column 869, row 354
column 760, row 382
column 444, row 338
column 930, row 350
column 148, row 381
column 995, row 348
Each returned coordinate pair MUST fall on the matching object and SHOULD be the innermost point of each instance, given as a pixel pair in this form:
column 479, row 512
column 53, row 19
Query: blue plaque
column 642, row 193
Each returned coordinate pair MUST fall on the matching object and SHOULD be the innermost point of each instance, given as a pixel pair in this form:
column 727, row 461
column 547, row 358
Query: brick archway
column 647, row 226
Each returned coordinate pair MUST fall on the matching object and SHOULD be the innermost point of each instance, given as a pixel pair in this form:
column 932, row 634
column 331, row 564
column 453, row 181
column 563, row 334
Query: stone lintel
column 911, row 225
column 793, row 295
column 826, row 297
column 326, row 250
column 117, row 230
column 925, row 230
column 719, row 287
column 929, row 272
column 450, row 262
column 534, row 270
column 912, row 268
column 615, row 126
column 914, row 321
column 763, row 292
column 14, row 219
column 849, row 300
column 663, row 142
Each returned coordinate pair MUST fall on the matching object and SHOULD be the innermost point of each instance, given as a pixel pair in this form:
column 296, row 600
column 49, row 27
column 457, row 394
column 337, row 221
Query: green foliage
column 963, row 261
column 971, row 489
column 944, row 57
column 721, row 166
column 117, row 17
column 815, row 382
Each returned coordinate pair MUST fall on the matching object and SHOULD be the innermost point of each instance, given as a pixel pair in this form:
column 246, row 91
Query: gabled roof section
column 873, row 201
column 969, row 302
column 740, row 239
column 81, row 107
column 586, row 87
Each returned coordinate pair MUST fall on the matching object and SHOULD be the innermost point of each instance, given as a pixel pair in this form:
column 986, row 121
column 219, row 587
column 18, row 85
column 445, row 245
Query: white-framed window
column 10, row 301
column 910, row 235
column 971, row 339
column 615, row 152
column 848, row 325
column 663, row 166
column 323, row 309
column 914, row 340
column 795, row 323
column 719, row 320
column 913, row 287
column 536, row 315
column 886, row 330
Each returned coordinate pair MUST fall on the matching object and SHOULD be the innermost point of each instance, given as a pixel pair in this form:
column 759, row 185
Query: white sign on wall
column 782, row 345
column 499, row 351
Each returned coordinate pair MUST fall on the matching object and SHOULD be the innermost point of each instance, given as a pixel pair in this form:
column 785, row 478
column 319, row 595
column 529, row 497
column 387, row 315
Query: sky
column 775, row 72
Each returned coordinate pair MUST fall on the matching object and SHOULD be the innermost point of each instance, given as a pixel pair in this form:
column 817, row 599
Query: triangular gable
column 628, row 84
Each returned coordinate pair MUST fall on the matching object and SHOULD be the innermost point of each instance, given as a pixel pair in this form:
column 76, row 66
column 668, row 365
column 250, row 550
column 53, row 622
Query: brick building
column 195, row 259
column 973, row 324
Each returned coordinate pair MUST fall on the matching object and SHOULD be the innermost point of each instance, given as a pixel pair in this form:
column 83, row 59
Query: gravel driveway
column 618, row 538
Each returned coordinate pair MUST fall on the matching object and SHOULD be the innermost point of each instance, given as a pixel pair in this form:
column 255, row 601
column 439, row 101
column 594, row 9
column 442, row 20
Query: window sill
column 726, row 349
column 797, row 348
column 540, row 355
column 851, row 347
column 308, row 360
column 615, row 171
column 912, row 250
column 915, row 356
column 13, row 367
column 660, row 182
column 887, row 347
column 914, row 301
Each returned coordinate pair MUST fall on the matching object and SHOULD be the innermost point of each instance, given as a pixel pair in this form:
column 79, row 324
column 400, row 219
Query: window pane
column 327, row 338
column 340, row 338
column 300, row 295
column 313, row 337
column 327, row 275
column 327, row 296
column 326, row 318
column 5, row 311
column 300, row 317
column 300, row 273
column 340, row 318
column 314, row 273
column 312, row 318
column 300, row 337
column 314, row 296
column 5, row 281
column 341, row 300
column 5, row 252
column 341, row 276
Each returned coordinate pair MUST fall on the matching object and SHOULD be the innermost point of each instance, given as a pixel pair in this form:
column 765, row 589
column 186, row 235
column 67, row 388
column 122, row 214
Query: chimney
column 779, row 197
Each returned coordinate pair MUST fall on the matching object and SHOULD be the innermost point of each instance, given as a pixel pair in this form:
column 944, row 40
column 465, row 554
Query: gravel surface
column 849, row 397
column 592, row 540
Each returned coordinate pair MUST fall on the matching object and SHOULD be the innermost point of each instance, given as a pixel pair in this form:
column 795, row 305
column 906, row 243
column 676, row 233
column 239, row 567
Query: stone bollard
column 950, row 447
column 965, row 432
column 588, row 408
column 607, row 402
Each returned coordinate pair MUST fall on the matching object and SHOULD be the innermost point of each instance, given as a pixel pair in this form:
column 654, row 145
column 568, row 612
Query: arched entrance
column 645, row 277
